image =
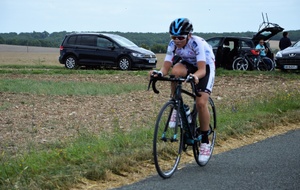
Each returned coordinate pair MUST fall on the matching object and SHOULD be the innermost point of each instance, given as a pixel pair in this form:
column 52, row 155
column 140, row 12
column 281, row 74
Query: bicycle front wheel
column 265, row 64
column 167, row 141
column 211, row 134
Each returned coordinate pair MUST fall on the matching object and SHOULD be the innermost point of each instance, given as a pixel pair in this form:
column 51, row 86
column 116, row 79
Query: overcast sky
column 144, row 15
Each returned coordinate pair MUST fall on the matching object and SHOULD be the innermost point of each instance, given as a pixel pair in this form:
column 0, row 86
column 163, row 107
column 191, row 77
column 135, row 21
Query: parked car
column 289, row 58
column 227, row 48
column 104, row 50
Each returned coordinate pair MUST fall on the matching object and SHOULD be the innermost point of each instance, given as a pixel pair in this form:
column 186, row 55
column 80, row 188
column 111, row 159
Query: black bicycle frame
column 177, row 99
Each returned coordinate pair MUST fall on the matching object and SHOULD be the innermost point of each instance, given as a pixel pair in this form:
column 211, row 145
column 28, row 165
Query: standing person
column 261, row 48
column 284, row 41
column 198, row 60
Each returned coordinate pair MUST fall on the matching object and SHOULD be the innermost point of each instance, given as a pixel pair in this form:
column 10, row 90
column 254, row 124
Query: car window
column 124, row 41
column 245, row 44
column 72, row 40
column 266, row 33
column 103, row 42
column 214, row 42
column 228, row 44
column 88, row 40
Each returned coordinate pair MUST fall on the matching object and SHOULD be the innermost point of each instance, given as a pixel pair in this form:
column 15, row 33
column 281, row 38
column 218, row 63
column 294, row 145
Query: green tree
column 159, row 48
column 145, row 46
column 34, row 42
column 2, row 41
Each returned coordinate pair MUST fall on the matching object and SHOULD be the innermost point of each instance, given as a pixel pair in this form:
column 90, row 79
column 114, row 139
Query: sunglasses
column 178, row 37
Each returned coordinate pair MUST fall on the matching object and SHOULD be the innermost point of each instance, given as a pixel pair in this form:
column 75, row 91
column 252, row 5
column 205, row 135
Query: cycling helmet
column 181, row 26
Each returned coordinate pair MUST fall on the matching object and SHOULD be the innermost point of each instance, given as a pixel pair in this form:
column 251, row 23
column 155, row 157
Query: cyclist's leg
column 178, row 70
column 203, row 151
column 205, row 86
column 203, row 112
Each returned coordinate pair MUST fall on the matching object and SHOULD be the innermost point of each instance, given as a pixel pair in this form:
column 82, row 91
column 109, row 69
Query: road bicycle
column 168, row 141
column 251, row 60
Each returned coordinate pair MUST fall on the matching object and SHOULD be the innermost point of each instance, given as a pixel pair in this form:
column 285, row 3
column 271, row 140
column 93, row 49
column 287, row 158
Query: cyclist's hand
column 156, row 73
column 192, row 76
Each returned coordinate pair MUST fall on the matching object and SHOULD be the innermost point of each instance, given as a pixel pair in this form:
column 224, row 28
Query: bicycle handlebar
column 172, row 78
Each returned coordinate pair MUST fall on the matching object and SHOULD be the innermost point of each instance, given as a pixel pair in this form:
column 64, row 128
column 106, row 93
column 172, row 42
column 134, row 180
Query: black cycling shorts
column 206, row 83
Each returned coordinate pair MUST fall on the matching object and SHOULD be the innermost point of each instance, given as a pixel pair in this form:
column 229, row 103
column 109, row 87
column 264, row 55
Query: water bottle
column 188, row 113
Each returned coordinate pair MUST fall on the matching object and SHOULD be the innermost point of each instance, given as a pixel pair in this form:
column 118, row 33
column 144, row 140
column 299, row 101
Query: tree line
column 157, row 42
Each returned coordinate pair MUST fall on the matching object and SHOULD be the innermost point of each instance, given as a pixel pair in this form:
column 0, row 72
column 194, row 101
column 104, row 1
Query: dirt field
column 39, row 119
column 28, row 55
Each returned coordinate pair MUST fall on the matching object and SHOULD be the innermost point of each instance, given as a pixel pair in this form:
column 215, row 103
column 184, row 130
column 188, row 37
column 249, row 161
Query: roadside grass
column 54, row 70
column 263, row 112
column 60, row 165
column 66, row 88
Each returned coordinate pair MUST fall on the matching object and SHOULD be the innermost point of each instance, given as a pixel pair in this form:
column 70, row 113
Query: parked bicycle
column 170, row 141
column 251, row 60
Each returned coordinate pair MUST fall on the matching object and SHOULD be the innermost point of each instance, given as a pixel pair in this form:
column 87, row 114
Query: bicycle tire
column 265, row 64
column 212, row 135
column 167, row 144
column 240, row 63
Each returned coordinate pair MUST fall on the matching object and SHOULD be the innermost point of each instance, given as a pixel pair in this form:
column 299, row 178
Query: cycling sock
column 204, row 137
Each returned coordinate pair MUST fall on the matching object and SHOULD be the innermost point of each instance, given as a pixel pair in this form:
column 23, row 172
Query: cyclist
column 198, row 60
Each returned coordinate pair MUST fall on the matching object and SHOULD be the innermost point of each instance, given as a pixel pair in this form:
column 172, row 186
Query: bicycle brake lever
column 153, row 82
column 189, row 78
column 154, row 86
column 149, row 84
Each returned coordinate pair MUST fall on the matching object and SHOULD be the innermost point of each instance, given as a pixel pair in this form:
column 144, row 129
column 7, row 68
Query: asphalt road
column 270, row 164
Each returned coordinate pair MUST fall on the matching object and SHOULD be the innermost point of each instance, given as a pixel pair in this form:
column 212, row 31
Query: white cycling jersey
column 197, row 49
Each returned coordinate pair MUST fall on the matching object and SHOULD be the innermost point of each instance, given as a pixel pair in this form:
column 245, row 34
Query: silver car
column 289, row 58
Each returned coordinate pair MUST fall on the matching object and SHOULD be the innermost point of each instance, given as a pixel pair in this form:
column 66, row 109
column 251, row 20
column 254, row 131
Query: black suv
column 104, row 50
column 226, row 49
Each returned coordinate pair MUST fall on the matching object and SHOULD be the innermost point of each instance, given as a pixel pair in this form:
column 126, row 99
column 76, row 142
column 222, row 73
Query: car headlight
column 137, row 54
column 278, row 54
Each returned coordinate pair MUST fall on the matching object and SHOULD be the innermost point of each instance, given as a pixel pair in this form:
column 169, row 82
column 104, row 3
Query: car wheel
column 240, row 63
column 124, row 63
column 71, row 62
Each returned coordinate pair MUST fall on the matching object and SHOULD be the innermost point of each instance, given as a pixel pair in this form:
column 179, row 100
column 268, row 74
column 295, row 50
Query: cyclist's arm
column 201, row 59
column 166, row 67
column 168, row 62
column 201, row 72
column 163, row 71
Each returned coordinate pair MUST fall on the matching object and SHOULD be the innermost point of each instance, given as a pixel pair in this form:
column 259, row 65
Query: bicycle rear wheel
column 211, row 134
column 167, row 142
column 265, row 64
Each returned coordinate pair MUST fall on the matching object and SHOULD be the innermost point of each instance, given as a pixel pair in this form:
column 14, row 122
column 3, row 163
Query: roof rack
column 266, row 23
